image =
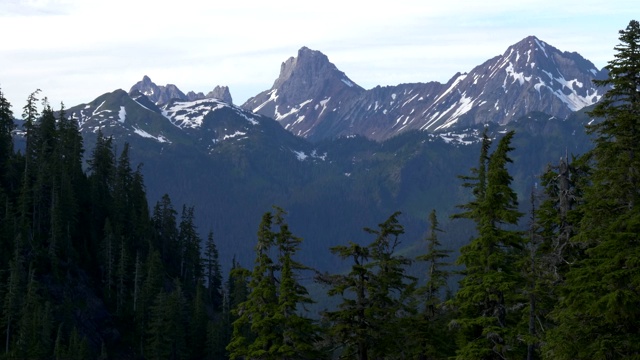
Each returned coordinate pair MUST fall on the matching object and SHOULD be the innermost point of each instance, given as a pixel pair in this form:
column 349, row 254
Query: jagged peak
column 308, row 62
column 220, row 93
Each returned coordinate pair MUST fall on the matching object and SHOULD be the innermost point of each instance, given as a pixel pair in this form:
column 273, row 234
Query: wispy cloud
column 76, row 50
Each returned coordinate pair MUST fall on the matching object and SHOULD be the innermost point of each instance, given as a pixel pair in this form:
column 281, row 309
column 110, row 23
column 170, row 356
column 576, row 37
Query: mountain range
column 313, row 99
column 339, row 157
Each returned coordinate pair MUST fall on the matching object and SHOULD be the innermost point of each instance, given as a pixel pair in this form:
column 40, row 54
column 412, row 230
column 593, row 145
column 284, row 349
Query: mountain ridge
column 162, row 94
column 530, row 75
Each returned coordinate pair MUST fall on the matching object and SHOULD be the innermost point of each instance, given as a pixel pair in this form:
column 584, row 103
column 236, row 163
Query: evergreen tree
column 236, row 294
column 13, row 297
column 6, row 140
column 151, row 287
column 213, row 273
column 376, row 296
column 489, row 288
column 429, row 333
column 598, row 311
column 261, row 302
column 191, row 271
column 299, row 333
column 277, row 330
column 166, row 234
column 30, row 116
column 35, row 326
column 167, row 327
column 349, row 323
column 101, row 178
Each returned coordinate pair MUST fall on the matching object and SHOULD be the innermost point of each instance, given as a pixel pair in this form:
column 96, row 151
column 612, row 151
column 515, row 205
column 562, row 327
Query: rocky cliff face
column 313, row 99
column 306, row 95
column 162, row 94
column 220, row 93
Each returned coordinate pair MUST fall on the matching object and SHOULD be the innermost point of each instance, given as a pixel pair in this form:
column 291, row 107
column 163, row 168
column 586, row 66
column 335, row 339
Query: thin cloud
column 76, row 50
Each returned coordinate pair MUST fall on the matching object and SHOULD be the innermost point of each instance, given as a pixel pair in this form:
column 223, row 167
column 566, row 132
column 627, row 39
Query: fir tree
column 213, row 273
column 375, row 294
column 490, row 280
column 6, row 140
column 429, row 333
column 598, row 312
column 277, row 330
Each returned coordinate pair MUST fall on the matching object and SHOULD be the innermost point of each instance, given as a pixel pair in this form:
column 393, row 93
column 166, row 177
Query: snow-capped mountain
column 313, row 99
column 307, row 95
column 205, row 124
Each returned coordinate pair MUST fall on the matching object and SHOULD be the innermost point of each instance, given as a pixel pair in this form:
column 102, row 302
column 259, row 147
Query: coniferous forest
column 89, row 269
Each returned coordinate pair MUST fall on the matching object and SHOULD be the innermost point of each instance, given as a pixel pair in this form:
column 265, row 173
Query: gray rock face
column 306, row 95
column 313, row 99
column 161, row 95
column 220, row 93
column 157, row 94
column 192, row 96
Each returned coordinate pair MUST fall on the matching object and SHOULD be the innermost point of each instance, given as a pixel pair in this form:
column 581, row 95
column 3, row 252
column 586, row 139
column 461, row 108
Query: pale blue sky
column 76, row 50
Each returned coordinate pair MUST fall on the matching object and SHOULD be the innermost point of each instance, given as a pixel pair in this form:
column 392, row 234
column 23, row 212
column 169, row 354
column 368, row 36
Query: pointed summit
column 157, row 94
column 303, row 91
column 221, row 93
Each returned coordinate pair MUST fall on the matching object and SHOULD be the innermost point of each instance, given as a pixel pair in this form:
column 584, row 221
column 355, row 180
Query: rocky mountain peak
column 307, row 86
column 307, row 67
column 221, row 93
column 157, row 94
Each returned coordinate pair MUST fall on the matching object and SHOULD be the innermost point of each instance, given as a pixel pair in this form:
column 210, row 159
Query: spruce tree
column 261, row 302
column 429, row 334
column 213, row 273
column 598, row 312
column 489, row 287
column 277, row 330
column 376, row 295
column 6, row 140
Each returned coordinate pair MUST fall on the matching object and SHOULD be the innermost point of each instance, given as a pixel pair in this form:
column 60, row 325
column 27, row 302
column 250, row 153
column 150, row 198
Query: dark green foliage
column 489, row 289
column 271, row 310
column 166, row 234
column 6, row 140
column 88, row 272
column 213, row 273
column 430, row 337
column 375, row 294
column 598, row 311
column 191, row 271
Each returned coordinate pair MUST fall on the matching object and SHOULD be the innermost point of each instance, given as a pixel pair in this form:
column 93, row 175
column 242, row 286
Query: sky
column 77, row 50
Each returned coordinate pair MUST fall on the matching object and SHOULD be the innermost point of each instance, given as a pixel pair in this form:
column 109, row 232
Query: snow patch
column 96, row 110
column 541, row 46
column 519, row 77
column 122, row 114
column 144, row 134
column 455, row 83
column 462, row 139
column 323, row 103
column 141, row 105
column 300, row 155
column 347, row 82
column 273, row 96
column 190, row 114
column 295, row 109
column 235, row 134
